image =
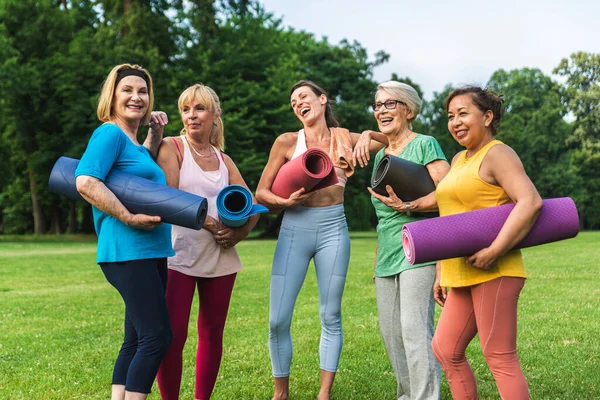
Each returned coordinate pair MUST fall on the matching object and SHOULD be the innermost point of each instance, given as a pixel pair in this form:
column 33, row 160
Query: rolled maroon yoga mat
column 462, row 235
column 313, row 170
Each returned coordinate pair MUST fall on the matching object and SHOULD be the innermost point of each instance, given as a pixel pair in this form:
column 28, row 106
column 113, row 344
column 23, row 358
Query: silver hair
column 404, row 93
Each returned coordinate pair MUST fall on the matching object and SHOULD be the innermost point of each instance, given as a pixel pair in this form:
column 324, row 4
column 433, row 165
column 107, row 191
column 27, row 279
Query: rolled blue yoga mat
column 138, row 195
column 234, row 205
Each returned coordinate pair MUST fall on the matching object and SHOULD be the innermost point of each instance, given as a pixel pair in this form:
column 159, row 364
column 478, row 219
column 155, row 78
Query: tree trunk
column 126, row 5
column 72, row 224
column 55, row 222
column 87, row 223
column 272, row 230
column 39, row 223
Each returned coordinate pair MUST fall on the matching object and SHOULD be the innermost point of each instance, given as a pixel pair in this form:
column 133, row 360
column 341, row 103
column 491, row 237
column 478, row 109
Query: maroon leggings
column 489, row 308
column 214, row 294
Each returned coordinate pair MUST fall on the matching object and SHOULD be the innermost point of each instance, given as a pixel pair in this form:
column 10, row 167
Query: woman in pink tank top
column 206, row 259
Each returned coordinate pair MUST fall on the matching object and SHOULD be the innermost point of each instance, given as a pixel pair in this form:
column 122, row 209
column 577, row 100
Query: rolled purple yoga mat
column 462, row 235
column 313, row 170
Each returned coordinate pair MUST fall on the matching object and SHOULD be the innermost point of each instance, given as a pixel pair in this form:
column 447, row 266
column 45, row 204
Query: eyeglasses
column 390, row 105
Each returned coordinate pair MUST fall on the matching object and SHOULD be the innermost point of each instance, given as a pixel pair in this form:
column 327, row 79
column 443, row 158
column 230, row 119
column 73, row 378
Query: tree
column 582, row 95
column 534, row 126
column 434, row 122
column 31, row 35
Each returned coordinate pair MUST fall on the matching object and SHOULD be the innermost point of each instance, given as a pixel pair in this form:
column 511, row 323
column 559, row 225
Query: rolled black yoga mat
column 408, row 179
column 138, row 195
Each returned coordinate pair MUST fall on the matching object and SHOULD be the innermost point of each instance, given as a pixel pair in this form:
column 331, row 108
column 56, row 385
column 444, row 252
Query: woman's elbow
column 83, row 184
column 260, row 196
column 537, row 204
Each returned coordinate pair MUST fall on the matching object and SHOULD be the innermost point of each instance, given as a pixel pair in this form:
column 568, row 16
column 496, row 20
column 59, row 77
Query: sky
column 436, row 42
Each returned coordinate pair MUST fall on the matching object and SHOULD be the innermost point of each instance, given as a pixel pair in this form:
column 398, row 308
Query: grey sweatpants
column 406, row 309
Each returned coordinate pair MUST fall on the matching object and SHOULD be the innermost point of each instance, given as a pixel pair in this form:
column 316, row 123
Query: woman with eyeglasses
column 404, row 292
column 313, row 227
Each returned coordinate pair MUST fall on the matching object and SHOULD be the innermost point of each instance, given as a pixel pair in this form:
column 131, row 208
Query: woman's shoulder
column 423, row 138
column 286, row 140
column 109, row 128
column 500, row 150
column 110, row 133
column 287, row 137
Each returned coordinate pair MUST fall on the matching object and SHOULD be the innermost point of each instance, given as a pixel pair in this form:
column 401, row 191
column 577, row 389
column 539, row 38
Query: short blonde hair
column 208, row 98
column 107, row 95
column 404, row 93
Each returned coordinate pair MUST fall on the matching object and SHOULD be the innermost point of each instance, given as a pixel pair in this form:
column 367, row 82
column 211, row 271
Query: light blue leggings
column 309, row 232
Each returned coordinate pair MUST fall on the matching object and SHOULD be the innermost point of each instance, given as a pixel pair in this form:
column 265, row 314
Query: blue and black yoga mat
column 138, row 195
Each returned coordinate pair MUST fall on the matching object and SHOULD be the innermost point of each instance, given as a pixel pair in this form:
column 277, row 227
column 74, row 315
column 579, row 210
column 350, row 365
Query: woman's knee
column 499, row 361
column 156, row 342
column 445, row 352
column 331, row 321
column 279, row 324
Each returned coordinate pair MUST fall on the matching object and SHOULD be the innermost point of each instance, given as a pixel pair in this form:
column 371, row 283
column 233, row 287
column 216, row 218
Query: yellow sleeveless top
column 463, row 190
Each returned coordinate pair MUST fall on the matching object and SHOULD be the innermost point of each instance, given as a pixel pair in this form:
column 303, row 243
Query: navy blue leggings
column 148, row 334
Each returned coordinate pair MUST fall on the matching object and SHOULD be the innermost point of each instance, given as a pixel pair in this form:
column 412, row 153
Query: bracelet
column 407, row 208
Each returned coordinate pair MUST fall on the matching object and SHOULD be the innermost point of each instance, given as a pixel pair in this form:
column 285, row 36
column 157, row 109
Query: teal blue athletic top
column 109, row 148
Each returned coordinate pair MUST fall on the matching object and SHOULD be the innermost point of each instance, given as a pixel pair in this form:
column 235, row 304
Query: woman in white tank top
column 313, row 227
column 207, row 258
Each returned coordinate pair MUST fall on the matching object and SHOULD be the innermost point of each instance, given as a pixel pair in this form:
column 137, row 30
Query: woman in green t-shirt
column 404, row 292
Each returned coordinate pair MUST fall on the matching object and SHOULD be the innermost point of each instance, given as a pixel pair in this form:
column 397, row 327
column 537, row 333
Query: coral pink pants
column 214, row 294
column 489, row 309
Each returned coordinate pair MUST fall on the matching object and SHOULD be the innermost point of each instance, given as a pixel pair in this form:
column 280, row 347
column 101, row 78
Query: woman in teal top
column 132, row 248
column 405, row 292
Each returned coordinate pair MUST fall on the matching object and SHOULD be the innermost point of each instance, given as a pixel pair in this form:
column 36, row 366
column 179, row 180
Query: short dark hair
column 484, row 99
column 316, row 89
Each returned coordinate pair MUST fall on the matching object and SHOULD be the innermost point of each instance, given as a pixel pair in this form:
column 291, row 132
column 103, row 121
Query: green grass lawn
column 61, row 326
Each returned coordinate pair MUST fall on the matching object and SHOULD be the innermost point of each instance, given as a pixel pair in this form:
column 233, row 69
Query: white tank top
column 301, row 148
column 196, row 252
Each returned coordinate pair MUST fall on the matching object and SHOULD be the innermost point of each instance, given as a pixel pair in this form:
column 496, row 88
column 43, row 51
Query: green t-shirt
column 390, row 261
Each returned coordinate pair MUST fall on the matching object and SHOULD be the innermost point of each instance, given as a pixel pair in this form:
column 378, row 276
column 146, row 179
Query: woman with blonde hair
column 206, row 259
column 132, row 248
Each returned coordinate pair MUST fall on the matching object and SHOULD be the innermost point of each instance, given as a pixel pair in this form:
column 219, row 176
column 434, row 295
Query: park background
column 54, row 55
column 60, row 322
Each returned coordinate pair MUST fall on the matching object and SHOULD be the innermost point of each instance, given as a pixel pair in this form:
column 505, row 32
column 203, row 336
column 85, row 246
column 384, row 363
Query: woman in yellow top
column 485, row 287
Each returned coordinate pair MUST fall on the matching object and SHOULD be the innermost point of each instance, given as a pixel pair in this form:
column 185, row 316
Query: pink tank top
column 196, row 252
column 301, row 148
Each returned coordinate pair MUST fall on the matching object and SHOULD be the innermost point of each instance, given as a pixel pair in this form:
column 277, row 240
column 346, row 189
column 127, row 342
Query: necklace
column 196, row 151
column 402, row 145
